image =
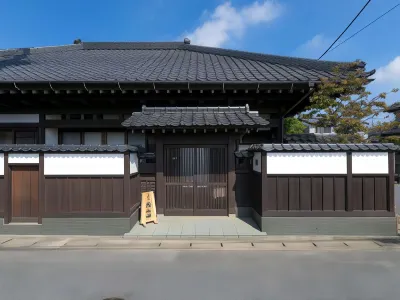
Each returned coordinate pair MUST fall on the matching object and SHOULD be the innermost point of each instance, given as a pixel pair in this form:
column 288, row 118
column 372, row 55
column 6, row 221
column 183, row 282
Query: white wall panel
column 307, row 163
column 133, row 162
column 370, row 163
column 23, row 158
column 19, row 118
column 84, row 164
column 1, row 164
column 51, row 136
column 257, row 162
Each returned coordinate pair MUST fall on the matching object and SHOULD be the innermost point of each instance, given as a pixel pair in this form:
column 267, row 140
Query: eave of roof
column 385, row 147
column 66, row 148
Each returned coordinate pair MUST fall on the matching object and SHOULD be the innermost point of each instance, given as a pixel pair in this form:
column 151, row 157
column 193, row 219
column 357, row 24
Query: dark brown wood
column 316, row 213
column 83, row 194
column 3, row 191
column 357, row 193
column 316, row 193
column 272, row 203
column 127, row 183
column 229, row 153
column 147, row 168
column 264, row 182
column 41, row 187
column 381, row 192
column 160, row 182
column 305, row 193
column 391, row 183
column 340, row 193
column 349, row 183
column 368, row 198
column 328, row 193
column 41, row 129
column 24, row 192
column 294, row 193
column 196, row 180
column 87, row 214
column 282, row 193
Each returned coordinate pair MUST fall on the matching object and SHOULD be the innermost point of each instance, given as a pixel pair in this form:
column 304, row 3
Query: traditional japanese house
column 85, row 128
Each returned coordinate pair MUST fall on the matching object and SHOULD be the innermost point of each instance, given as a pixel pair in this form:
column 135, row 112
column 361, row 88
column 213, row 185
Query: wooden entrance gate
column 24, row 194
column 196, row 180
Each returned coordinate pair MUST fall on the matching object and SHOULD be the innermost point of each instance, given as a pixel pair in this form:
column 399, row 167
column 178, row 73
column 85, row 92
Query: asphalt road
column 169, row 274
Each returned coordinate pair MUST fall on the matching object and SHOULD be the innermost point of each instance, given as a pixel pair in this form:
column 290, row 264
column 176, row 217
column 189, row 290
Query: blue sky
column 284, row 27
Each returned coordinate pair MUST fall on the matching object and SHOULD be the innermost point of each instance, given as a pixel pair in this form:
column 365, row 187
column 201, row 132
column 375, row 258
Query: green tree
column 77, row 41
column 294, row 126
column 343, row 102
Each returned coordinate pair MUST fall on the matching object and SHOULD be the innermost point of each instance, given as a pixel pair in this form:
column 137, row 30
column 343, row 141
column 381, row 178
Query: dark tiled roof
column 323, row 147
column 393, row 131
column 66, row 148
column 178, row 117
column 394, row 107
column 155, row 62
column 310, row 138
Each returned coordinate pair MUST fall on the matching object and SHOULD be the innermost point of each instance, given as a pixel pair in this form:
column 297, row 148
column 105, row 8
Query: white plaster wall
column 84, row 164
column 1, row 164
column 133, row 162
column 370, row 163
column 23, row 158
column 257, row 162
column 307, row 163
column 51, row 136
column 19, row 118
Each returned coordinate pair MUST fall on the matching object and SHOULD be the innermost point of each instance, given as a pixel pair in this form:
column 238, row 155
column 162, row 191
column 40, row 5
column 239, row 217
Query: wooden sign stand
column 148, row 209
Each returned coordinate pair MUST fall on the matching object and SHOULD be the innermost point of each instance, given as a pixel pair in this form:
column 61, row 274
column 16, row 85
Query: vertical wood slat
column 316, row 193
column 282, row 193
column 381, row 199
column 327, row 193
column 126, row 184
column 294, row 193
column 349, row 183
column 7, row 193
column 264, row 183
column 42, row 187
column 272, row 203
column 231, row 173
column 368, row 199
column 305, row 193
column 390, row 185
column 340, row 193
column 160, row 184
column 357, row 193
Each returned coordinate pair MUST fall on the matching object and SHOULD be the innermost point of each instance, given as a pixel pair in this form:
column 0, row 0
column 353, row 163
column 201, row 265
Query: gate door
column 196, row 181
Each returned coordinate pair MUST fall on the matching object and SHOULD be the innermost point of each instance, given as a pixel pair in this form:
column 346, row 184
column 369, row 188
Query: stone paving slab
column 20, row 242
column 51, row 243
column 205, row 246
column 362, row 245
column 269, row 246
column 299, row 246
column 116, row 243
column 175, row 245
column 238, row 246
column 331, row 245
column 82, row 243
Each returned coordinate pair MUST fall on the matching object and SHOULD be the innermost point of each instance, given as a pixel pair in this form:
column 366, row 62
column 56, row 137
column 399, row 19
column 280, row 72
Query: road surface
column 195, row 275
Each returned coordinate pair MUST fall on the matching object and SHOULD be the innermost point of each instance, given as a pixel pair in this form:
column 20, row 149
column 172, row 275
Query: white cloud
column 314, row 47
column 390, row 73
column 227, row 22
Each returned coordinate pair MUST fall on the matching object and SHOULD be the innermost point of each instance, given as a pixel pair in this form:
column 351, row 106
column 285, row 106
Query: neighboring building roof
column 394, row 107
column 195, row 117
column 310, row 138
column 66, row 148
column 171, row 62
column 393, row 131
column 323, row 147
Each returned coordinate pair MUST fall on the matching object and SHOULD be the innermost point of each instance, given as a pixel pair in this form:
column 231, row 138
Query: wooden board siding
column 24, row 193
column 135, row 192
column 256, row 191
column 370, row 192
column 3, row 192
column 318, row 193
column 83, row 194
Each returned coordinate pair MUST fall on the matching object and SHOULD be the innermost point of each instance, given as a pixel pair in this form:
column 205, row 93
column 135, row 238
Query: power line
column 348, row 26
column 365, row 27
